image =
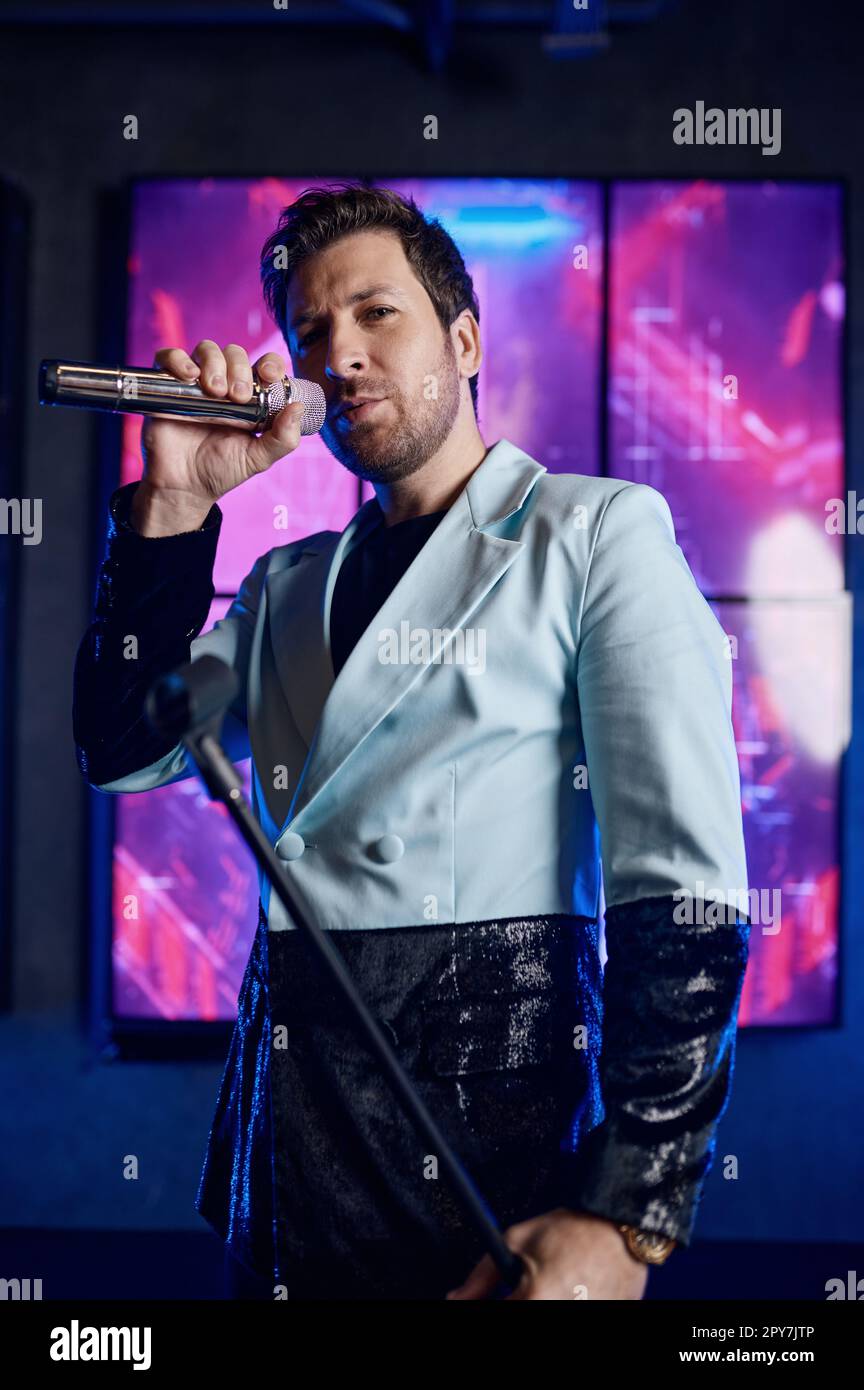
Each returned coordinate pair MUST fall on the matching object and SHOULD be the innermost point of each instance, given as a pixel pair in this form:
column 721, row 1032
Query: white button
column 291, row 846
column 389, row 847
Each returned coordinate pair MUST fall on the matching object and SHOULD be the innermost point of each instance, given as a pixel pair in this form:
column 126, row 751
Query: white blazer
column 545, row 686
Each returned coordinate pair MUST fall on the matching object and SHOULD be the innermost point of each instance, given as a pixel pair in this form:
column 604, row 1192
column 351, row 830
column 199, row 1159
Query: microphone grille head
column 310, row 393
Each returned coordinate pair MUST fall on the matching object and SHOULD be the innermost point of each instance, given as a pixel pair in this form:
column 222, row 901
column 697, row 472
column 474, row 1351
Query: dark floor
column 168, row 1265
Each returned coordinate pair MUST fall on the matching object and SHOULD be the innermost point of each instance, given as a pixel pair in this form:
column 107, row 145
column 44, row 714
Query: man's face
column 369, row 329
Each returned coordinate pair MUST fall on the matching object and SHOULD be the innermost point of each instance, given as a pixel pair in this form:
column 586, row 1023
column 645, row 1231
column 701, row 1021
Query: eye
column 303, row 343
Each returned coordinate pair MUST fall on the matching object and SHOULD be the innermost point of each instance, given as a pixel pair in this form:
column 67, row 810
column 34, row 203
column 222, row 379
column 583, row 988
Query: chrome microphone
column 148, row 391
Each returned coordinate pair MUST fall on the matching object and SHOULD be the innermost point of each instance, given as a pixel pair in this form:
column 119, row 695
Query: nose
column 345, row 355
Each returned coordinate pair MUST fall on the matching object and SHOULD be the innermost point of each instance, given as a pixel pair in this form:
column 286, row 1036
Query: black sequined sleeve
column 670, row 1003
column 655, row 701
column 153, row 596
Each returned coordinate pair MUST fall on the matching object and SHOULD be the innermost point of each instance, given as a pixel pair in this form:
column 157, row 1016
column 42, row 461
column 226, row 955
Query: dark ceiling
column 428, row 26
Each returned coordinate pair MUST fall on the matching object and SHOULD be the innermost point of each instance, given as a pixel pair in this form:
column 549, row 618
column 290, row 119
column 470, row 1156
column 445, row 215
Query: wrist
column 156, row 511
column 646, row 1247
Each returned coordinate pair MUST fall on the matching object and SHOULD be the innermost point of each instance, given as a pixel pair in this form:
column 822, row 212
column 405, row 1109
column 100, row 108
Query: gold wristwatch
column 648, row 1246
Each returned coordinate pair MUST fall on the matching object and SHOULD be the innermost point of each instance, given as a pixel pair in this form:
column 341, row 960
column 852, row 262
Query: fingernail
column 219, row 383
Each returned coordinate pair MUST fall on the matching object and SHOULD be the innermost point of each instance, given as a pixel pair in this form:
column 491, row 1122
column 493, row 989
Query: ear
column 467, row 344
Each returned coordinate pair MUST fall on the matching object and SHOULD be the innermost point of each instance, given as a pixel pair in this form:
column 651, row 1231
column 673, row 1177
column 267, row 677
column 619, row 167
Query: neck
column 435, row 486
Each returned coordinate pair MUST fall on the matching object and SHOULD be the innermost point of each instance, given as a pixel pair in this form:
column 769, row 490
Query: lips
column 359, row 409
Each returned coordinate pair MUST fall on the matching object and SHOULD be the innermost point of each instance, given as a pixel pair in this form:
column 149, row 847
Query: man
column 443, row 704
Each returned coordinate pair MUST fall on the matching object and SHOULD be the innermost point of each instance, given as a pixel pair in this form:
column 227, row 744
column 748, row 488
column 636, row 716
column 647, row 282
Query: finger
column 270, row 367
column 176, row 361
column 480, row 1282
column 239, row 373
column 214, row 373
column 282, row 436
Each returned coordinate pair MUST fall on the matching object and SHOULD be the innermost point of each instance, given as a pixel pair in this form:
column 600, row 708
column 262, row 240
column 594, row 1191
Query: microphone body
column 148, row 391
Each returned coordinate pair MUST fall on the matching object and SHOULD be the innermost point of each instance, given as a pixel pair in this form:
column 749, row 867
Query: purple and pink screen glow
column 725, row 326
column 724, row 369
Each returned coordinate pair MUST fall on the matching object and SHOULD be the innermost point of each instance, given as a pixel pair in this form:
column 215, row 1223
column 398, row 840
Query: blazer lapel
column 448, row 579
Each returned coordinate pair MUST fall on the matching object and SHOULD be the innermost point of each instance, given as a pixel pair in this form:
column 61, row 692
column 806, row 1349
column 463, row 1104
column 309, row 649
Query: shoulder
column 592, row 505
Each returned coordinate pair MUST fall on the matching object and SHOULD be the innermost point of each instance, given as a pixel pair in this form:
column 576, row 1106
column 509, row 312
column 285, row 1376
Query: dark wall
column 227, row 101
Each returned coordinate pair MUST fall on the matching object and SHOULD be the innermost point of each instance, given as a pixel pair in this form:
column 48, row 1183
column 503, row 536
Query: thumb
column 280, row 438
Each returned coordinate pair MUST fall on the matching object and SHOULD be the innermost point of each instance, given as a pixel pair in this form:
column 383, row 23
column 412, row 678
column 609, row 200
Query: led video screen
column 791, row 711
column 706, row 283
column 726, row 312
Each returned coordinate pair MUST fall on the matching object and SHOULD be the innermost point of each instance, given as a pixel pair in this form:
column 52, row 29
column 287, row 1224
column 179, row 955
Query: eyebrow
column 371, row 290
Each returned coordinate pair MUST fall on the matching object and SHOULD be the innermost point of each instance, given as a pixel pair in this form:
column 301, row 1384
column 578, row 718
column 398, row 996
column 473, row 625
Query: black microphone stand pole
column 189, row 704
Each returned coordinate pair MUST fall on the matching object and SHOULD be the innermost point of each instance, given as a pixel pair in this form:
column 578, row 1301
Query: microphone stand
column 190, row 704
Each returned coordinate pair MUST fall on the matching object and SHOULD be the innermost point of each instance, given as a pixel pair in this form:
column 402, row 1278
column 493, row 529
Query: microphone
column 148, row 391
column 192, row 694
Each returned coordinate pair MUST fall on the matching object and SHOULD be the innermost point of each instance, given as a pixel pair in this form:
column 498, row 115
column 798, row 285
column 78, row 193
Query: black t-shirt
column 369, row 573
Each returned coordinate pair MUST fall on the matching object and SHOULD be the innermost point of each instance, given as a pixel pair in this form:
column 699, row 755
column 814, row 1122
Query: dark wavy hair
column 323, row 215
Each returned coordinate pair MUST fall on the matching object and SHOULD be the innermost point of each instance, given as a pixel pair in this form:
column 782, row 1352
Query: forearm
column 152, row 599
column 670, row 1003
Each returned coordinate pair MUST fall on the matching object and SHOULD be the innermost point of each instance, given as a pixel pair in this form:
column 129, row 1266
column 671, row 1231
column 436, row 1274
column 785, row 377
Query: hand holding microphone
column 199, row 410
column 189, row 465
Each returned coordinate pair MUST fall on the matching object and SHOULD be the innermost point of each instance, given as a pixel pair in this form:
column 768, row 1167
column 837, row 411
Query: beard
column 382, row 453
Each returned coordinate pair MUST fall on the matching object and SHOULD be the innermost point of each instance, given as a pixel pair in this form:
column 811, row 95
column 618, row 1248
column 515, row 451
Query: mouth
column 361, row 411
